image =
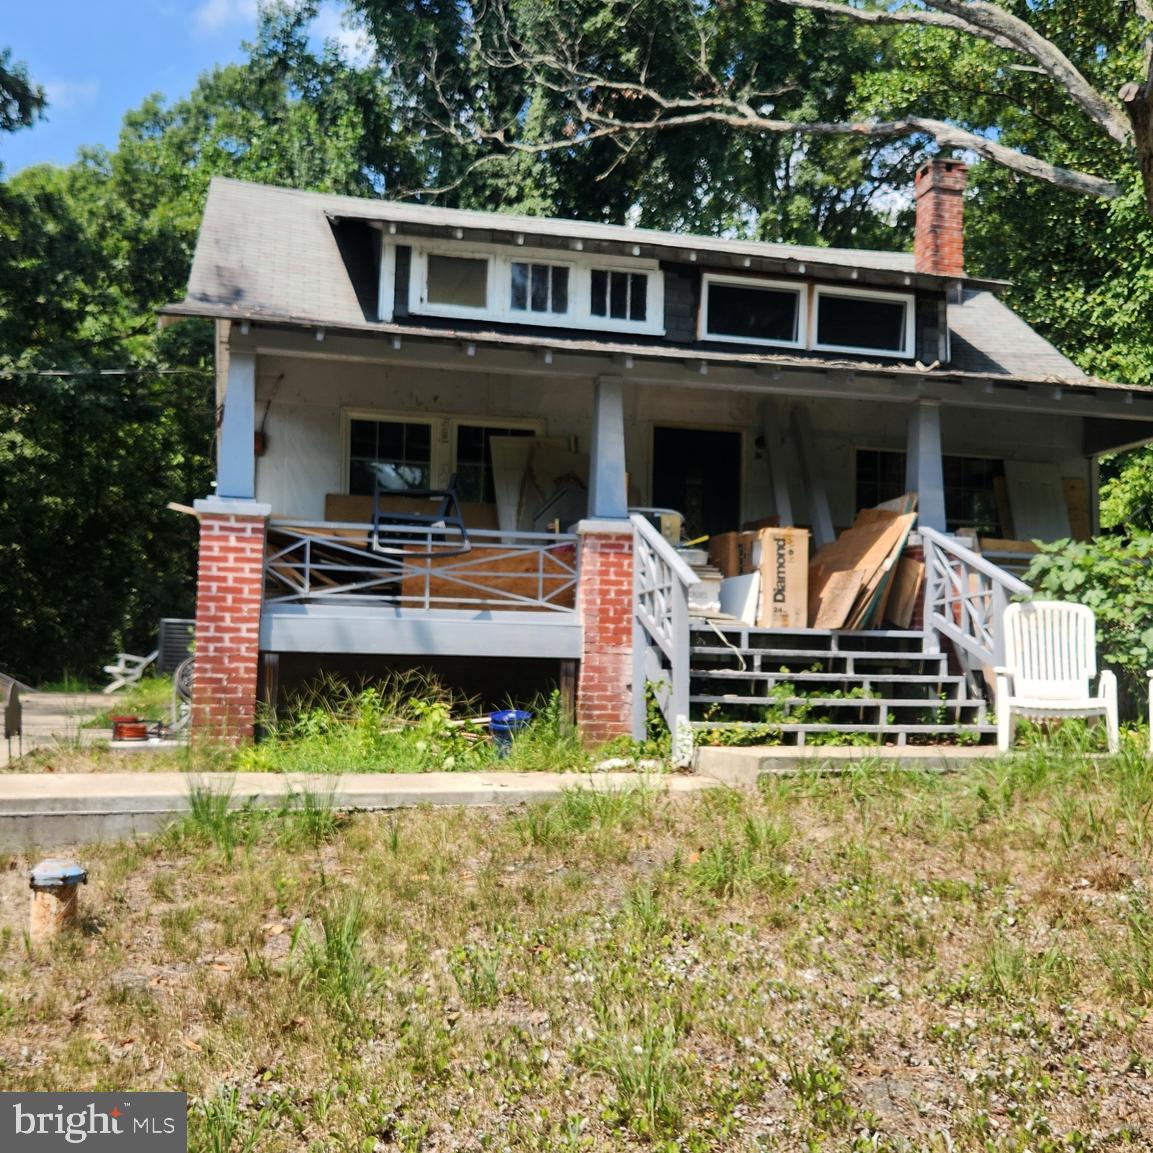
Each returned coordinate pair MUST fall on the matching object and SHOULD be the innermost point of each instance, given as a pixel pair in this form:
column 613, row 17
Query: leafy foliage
column 1114, row 577
column 21, row 101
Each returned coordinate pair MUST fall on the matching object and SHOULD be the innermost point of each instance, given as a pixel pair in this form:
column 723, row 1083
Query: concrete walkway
column 56, row 718
column 46, row 810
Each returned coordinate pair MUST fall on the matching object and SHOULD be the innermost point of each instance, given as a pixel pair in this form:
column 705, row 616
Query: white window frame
column 442, row 441
column 418, row 283
column 799, row 288
column 906, row 298
column 499, row 289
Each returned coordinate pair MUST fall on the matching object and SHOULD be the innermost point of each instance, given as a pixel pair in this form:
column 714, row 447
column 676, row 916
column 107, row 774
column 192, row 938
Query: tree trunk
column 1138, row 102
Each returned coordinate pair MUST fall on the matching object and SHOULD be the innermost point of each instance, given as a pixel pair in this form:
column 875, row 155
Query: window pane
column 859, row 322
column 638, row 298
column 560, row 290
column 520, row 287
column 457, row 281
column 540, row 280
column 474, row 460
column 391, row 454
column 753, row 313
column 599, row 294
column 618, row 295
column 362, row 438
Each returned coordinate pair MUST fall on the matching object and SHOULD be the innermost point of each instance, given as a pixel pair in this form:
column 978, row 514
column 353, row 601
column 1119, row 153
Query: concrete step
column 860, row 704
column 896, row 733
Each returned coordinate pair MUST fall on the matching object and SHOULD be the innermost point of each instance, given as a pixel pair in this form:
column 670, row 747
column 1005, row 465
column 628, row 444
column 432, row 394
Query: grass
column 150, row 698
column 876, row 960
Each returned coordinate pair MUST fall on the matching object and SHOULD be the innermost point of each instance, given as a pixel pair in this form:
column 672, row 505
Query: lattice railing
column 965, row 598
column 661, row 650
column 322, row 562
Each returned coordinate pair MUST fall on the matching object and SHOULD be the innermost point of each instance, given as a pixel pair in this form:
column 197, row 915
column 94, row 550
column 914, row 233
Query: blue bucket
column 504, row 724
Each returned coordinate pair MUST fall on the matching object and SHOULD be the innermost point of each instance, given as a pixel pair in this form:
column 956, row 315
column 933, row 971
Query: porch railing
column 326, row 562
column 965, row 598
column 661, row 582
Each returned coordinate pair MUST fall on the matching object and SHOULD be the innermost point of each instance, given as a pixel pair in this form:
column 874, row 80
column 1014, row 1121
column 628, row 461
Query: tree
column 106, row 419
column 21, row 101
column 493, row 130
column 687, row 67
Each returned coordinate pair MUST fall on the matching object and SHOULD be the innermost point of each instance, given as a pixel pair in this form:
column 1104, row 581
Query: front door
column 697, row 472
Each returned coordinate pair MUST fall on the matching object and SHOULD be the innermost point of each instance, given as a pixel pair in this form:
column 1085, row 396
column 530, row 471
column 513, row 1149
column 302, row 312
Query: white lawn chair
column 1050, row 659
column 127, row 670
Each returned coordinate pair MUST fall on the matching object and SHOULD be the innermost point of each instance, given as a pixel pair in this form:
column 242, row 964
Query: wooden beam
column 820, row 518
column 774, row 429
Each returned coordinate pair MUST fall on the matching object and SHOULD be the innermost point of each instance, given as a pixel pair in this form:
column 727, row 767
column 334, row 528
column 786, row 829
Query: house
column 561, row 373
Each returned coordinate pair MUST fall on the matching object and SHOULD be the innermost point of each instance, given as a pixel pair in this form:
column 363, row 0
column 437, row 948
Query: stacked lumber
column 852, row 578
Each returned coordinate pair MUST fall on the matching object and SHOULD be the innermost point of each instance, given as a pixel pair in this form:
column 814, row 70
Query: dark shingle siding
column 682, row 292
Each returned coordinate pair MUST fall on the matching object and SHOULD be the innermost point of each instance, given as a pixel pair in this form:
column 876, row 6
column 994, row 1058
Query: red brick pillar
column 604, row 684
column 229, row 591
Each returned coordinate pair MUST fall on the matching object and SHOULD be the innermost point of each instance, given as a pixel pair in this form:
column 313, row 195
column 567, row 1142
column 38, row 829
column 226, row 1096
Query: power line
column 10, row 372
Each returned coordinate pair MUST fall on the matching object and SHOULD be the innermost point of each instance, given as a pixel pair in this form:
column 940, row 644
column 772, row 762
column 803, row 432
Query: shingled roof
column 273, row 253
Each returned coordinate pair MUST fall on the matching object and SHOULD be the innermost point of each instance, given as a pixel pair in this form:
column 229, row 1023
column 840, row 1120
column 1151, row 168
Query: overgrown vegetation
column 1113, row 575
column 407, row 723
column 879, row 960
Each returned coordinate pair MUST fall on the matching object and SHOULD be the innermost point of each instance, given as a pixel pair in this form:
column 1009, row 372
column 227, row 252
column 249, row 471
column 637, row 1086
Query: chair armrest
column 1107, row 685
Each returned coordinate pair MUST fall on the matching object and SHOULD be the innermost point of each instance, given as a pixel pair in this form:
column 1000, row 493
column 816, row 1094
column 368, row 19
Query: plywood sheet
column 1037, row 500
column 495, row 569
column 1077, row 505
column 908, row 583
column 358, row 509
column 510, row 456
column 834, row 600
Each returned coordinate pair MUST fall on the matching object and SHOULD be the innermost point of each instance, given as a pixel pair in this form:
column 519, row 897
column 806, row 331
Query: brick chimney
column 939, row 247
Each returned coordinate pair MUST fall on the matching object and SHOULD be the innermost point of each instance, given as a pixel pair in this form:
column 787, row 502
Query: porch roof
column 256, row 243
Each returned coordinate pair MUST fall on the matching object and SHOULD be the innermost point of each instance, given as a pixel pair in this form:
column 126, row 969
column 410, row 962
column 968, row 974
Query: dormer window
column 539, row 288
column 794, row 314
column 618, row 295
column 859, row 321
column 535, row 287
column 457, row 281
column 752, row 311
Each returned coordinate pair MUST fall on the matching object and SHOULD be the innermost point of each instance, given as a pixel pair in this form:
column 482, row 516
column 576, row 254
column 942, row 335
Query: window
column 539, row 288
column 394, row 454
column 618, row 295
column 400, row 454
column 750, row 310
column 457, row 281
column 474, row 460
column 864, row 321
column 970, row 487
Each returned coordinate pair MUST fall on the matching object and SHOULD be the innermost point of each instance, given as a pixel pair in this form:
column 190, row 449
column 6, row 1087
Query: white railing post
column 661, row 612
column 966, row 596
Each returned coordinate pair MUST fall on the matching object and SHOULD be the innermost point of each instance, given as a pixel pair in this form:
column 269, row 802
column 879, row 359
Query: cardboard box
column 732, row 553
column 784, row 567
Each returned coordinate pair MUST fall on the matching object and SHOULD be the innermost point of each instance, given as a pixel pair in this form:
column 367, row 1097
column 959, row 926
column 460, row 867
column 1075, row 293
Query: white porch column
column 608, row 490
column 236, row 466
column 924, row 468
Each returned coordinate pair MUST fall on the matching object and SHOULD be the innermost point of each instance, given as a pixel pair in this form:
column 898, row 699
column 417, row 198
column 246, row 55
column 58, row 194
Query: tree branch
column 995, row 26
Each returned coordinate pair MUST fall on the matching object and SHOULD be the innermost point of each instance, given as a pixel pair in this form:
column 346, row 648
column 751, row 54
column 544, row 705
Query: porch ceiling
column 768, row 374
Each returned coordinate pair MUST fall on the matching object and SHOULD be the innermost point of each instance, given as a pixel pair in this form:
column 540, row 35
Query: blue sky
column 99, row 58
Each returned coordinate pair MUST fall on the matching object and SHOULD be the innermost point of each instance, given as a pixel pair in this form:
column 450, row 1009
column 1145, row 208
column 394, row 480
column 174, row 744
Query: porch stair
column 823, row 686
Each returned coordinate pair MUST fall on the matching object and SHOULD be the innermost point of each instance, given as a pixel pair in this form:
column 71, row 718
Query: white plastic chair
column 127, row 670
column 1050, row 660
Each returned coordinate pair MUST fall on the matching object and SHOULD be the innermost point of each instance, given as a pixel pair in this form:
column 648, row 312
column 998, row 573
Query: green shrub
column 1114, row 577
